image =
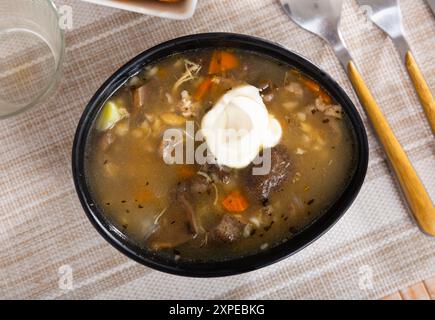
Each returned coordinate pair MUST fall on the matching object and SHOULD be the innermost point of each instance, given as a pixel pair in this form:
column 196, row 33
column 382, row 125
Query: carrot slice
column 222, row 61
column 325, row 97
column 215, row 63
column 311, row 85
column 202, row 89
column 315, row 88
column 235, row 202
column 228, row 61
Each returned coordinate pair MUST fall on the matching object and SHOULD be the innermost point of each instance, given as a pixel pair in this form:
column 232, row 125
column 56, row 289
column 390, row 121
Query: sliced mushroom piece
column 183, row 198
column 146, row 94
column 139, row 97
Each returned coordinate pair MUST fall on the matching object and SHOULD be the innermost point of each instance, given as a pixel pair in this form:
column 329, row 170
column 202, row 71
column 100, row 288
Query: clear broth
column 134, row 187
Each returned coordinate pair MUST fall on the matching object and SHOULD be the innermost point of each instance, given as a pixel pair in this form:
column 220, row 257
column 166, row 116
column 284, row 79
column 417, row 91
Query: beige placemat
column 374, row 250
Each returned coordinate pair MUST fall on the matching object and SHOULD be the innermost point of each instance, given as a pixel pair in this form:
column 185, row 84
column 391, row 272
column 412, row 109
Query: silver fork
column 387, row 16
column 322, row 17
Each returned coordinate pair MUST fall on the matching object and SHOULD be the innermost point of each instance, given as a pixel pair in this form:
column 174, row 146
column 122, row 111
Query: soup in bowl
column 216, row 154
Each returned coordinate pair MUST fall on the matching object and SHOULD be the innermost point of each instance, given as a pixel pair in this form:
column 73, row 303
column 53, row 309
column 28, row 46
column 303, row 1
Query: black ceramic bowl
column 243, row 264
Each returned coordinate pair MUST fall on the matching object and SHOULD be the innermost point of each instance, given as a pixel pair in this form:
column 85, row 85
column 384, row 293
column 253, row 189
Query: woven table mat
column 374, row 250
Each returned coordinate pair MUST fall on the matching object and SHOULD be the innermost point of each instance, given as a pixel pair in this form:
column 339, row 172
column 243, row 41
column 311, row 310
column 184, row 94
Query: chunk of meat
column 261, row 186
column 230, row 229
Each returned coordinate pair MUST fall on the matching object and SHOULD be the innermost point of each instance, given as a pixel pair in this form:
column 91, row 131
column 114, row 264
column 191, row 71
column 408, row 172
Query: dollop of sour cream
column 239, row 126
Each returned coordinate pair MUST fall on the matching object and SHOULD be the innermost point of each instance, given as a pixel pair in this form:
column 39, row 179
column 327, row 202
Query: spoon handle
column 422, row 89
column 417, row 197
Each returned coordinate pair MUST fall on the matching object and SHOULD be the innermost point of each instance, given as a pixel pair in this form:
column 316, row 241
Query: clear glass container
column 32, row 48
